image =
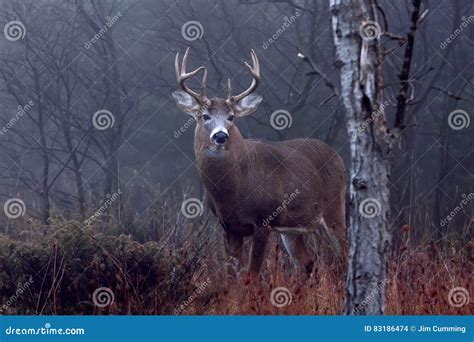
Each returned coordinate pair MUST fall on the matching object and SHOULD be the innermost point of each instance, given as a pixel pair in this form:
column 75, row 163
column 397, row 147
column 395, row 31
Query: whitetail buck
column 254, row 186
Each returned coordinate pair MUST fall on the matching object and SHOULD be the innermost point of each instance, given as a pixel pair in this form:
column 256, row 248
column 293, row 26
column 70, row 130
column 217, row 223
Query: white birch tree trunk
column 361, row 91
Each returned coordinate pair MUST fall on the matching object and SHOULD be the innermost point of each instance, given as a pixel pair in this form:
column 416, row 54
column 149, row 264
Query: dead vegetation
column 177, row 268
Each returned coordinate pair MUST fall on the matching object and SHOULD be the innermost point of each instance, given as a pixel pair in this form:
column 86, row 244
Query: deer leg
column 334, row 220
column 334, row 225
column 294, row 245
column 334, row 228
column 233, row 247
column 257, row 251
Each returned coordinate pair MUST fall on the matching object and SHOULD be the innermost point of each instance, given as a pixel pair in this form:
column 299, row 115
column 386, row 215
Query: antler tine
column 176, row 66
column 257, row 63
column 203, row 84
column 185, row 61
column 183, row 77
column 255, row 72
column 229, row 88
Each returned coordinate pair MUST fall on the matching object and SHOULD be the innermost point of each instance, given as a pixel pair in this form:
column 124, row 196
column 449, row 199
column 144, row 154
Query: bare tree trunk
column 113, row 102
column 45, row 186
column 81, row 196
column 45, row 203
column 361, row 91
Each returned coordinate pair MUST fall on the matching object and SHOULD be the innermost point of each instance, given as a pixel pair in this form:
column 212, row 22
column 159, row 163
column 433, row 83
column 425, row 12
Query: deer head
column 215, row 117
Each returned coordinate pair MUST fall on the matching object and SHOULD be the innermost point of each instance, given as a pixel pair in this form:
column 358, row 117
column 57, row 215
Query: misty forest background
column 141, row 245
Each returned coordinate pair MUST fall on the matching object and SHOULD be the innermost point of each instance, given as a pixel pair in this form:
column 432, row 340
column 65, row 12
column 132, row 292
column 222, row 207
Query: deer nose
column 220, row 137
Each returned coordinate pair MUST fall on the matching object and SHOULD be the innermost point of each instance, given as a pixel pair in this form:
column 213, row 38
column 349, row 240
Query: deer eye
column 206, row 117
column 230, row 118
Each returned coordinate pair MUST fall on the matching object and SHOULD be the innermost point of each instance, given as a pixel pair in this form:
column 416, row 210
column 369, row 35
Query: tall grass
column 162, row 263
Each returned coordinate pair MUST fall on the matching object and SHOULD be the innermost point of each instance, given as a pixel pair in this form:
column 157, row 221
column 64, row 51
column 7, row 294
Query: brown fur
column 250, row 179
column 254, row 186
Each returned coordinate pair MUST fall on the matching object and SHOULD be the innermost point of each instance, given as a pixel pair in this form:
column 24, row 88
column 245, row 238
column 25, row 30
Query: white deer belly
column 293, row 230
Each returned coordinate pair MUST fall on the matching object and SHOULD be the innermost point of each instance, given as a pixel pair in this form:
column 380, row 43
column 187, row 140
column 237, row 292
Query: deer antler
column 255, row 72
column 183, row 77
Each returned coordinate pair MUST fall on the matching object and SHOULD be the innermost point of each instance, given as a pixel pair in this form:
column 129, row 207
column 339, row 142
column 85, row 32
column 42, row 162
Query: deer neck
column 219, row 167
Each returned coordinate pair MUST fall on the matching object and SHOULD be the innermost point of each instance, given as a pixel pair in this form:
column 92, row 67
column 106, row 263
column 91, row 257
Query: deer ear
column 186, row 102
column 248, row 104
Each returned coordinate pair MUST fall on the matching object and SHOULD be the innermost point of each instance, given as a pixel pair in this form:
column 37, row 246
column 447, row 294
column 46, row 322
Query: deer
column 255, row 187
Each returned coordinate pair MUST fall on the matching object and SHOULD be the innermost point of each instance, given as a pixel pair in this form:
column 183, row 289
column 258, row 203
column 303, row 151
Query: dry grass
column 419, row 283
column 181, row 271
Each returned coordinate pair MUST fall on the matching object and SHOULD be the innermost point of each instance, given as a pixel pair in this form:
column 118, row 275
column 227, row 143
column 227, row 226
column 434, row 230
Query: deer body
column 255, row 187
column 251, row 179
